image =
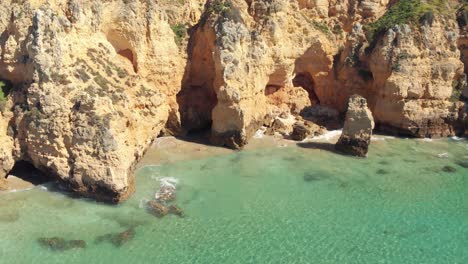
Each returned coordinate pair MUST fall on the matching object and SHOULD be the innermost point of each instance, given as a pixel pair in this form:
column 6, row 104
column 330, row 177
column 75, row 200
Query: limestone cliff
column 90, row 84
column 93, row 84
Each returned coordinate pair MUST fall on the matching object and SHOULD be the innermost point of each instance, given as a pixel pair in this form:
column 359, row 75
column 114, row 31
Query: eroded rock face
column 358, row 127
column 93, row 86
column 94, row 82
column 414, row 74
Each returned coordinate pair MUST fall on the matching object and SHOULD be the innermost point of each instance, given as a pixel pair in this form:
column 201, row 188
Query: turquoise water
column 276, row 205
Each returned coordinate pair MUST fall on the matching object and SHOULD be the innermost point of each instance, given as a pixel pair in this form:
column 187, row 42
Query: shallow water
column 274, row 205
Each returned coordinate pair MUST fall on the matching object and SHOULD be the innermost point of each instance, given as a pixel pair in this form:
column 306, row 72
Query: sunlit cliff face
column 93, row 83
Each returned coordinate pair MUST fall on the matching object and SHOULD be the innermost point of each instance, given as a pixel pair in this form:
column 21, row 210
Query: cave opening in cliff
column 123, row 48
column 128, row 54
column 290, row 94
column 197, row 97
column 25, row 171
column 305, row 81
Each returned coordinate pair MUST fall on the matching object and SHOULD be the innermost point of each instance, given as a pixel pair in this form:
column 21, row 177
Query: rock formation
column 92, row 83
column 304, row 129
column 93, row 86
column 60, row 244
column 357, row 130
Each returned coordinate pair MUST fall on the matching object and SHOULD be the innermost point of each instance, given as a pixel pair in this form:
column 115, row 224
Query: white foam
column 443, row 155
column 149, row 166
column 329, row 135
column 17, row 190
column 168, row 182
column 381, row 138
column 456, row 138
column 260, row 133
column 426, row 139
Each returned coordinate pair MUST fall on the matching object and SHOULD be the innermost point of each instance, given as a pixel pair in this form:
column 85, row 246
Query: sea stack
column 357, row 130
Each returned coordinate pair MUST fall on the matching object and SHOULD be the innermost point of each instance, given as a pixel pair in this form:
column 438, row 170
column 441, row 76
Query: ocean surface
column 406, row 203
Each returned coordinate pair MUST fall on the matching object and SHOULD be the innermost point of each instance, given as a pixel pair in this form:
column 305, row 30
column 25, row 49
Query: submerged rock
column 61, row 244
column 382, row 171
column 449, row 169
column 310, row 177
column 157, row 208
column 358, row 127
column 176, row 210
column 167, row 190
column 118, row 239
column 463, row 163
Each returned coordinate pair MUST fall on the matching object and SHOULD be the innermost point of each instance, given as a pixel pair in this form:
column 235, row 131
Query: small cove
column 274, row 204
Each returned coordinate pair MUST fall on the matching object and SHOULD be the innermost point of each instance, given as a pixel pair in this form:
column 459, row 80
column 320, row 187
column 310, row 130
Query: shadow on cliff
column 197, row 97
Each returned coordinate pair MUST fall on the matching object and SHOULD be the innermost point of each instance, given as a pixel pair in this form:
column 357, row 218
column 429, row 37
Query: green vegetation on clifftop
column 406, row 12
column 179, row 32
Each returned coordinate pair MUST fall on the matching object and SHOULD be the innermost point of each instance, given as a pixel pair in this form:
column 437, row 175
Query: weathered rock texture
column 357, row 130
column 94, row 85
column 94, row 82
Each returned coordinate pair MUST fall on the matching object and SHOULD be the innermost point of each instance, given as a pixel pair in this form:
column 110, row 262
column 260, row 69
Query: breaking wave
column 329, row 135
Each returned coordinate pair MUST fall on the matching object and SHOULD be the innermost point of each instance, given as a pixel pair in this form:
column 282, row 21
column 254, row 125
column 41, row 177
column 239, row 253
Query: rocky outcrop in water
column 61, row 244
column 357, row 131
column 92, row 83
column 305, row 129
column 166, row 194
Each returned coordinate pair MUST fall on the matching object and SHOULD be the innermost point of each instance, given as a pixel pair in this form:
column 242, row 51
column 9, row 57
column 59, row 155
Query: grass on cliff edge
column 179, row 33
column 410, row 12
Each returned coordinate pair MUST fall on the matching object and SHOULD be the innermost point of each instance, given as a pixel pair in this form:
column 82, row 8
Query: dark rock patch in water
column 382, row 172
column 160, row 209
column 176, row 210
column 205, row 167
column 384, row 162
column 343, row 184
column 311, row 177
column 118, row 239
column 157, row 208
column 61, row 244
column 449, row 169
column 291, row 159
column 463, row 163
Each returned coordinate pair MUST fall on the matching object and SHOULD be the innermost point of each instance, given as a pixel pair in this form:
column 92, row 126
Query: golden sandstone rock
column 357, row 130
column 93, row 83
